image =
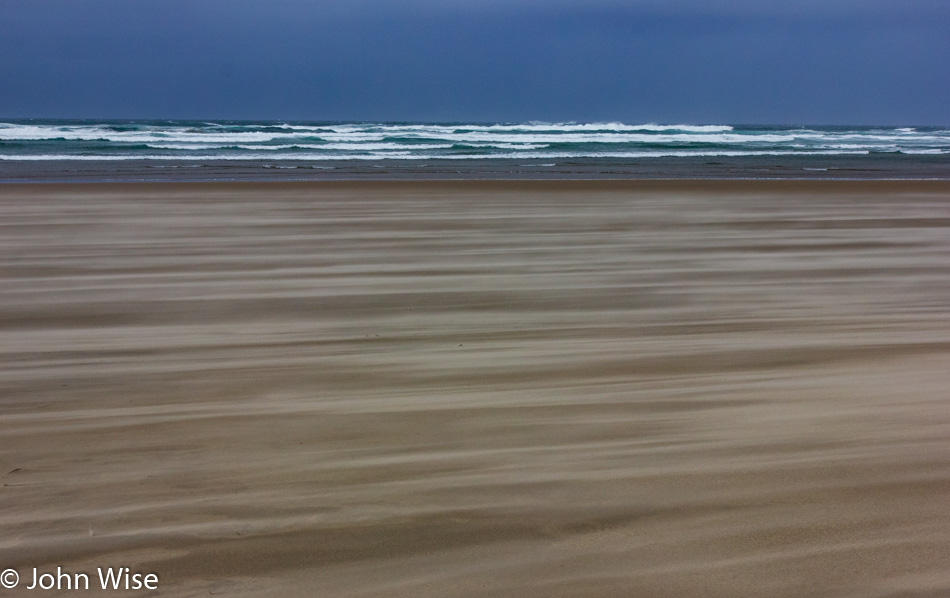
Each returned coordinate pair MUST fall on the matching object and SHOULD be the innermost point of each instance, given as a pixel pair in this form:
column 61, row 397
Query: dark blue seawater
column 222, row 150
column 186, row 140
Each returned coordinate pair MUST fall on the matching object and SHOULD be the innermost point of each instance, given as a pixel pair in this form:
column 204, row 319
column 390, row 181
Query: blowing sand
column 446, row 389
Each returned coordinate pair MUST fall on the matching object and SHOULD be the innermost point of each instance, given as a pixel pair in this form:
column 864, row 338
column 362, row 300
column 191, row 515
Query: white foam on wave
column 712, row 138
column 346, row 146
column 185, row 146
column 13, row 132
column 343, row 146
column 609, row 127
column 502, row 145
column 369, row 147
column 449, row 129
column 45, row 133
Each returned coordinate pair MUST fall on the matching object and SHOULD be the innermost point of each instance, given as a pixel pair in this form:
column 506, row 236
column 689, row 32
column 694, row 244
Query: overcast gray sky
column 728, row 61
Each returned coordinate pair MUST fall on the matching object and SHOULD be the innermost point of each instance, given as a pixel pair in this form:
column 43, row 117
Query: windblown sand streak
column 445, row 389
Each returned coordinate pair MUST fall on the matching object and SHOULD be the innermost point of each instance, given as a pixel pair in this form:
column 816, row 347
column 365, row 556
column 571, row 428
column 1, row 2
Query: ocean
column 153, row 150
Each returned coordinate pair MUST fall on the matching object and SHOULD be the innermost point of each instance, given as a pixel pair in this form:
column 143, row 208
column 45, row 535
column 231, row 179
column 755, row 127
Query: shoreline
column 873, row 167
column 601, row 185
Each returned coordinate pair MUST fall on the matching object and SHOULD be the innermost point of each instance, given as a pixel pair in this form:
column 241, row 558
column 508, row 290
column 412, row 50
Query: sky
column 847, row 62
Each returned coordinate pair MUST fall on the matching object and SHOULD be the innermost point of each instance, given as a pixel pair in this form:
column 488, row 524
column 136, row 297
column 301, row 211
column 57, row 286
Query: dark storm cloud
column 641, row 60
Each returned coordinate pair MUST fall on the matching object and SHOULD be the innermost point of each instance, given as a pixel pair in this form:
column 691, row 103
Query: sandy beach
column 479, row 389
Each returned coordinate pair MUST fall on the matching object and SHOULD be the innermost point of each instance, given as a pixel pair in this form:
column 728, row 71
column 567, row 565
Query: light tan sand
column 626, row 389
